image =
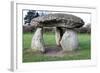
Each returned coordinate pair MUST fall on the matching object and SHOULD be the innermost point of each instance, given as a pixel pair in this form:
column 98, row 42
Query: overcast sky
column 85, row 16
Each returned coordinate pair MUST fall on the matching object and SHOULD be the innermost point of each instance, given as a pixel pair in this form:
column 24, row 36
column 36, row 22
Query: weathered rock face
column 37, row 41
column 58, row 20
column 69, row 40
column 57, row 36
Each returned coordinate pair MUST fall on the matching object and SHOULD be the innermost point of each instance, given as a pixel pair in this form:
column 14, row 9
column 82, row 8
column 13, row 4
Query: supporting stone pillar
column 69, row 40
column 58, row 35
column 37, row 43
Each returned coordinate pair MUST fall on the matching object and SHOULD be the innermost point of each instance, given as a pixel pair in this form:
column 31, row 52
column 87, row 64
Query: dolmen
column 65, row 35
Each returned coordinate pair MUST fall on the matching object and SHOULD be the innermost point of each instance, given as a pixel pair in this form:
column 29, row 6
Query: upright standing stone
column 69, row 40
column 58, row 35
column 37, row 41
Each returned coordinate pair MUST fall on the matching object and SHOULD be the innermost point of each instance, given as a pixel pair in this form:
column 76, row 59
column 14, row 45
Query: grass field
column 49, row 39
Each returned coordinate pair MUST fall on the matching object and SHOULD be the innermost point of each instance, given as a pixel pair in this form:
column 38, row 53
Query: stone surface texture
column 69, row 40
column 58, row 20
column 37, row 41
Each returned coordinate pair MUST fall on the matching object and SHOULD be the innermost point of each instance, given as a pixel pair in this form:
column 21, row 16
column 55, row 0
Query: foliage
column 27, row 29
column 30, row 15
column 85, row 29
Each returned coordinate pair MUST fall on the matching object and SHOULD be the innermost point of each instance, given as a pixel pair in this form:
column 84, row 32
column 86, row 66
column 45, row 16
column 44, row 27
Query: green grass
column 49, row 39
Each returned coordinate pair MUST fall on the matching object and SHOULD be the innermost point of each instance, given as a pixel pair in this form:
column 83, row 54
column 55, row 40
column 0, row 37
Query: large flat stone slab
column 58, row 20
